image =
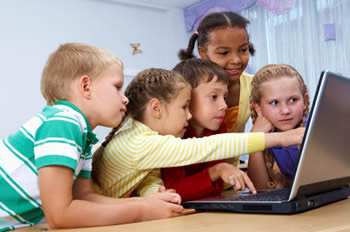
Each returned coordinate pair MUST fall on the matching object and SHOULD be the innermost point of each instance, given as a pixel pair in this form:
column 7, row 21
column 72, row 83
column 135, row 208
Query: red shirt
column 193, row 182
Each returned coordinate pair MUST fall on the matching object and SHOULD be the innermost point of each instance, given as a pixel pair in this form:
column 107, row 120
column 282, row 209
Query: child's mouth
column 233, row 71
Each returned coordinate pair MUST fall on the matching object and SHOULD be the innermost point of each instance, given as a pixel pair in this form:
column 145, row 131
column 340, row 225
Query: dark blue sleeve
column 307, row 119
column 286, row 159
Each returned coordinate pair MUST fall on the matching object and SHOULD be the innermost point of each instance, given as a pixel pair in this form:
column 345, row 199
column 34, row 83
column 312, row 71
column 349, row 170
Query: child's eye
column 244, row 50
column 223, row 53
column 273, row 103
column 293, row 100
column 118, row 87
column 213, row 97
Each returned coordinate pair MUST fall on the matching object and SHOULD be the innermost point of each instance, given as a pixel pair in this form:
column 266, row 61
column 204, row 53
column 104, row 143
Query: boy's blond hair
column 69, row 62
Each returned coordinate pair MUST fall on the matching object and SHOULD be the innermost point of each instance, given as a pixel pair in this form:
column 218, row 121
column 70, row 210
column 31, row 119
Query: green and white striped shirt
column 59, row 135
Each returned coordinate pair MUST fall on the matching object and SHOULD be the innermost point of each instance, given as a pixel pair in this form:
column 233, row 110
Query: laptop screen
column 324, row 162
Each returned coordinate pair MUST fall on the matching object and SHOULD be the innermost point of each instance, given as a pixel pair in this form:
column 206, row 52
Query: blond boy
column 45, row 166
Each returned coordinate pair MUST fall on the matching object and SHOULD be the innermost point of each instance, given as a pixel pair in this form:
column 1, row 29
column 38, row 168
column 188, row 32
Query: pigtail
column 306, row 110
column 253, row 113
column 98, row 155
column 188, row 53
column 276, row 178
column 251, row 49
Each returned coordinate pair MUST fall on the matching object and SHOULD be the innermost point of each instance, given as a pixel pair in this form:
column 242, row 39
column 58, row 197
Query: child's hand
column 261, row 124
column 161, row 205
column 292, row 137
column 234, row 176
column 162, row 189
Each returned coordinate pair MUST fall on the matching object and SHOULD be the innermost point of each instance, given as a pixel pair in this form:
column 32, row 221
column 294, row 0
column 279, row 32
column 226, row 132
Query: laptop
column 322, row 175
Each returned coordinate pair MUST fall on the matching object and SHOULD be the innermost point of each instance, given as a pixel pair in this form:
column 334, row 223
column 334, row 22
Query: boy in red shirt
column 209, row 90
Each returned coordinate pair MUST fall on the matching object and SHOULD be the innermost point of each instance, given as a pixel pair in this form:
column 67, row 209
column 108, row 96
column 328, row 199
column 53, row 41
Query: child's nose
column 125, row 100
column 285, row 109
column 189, row 115
column 223, row 105
column 235, row 58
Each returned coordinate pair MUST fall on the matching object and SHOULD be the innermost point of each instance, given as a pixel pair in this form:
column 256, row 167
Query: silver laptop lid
column 325, row 152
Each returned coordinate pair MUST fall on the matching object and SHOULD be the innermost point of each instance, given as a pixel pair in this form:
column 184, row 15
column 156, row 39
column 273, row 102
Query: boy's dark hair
column 197, row 70
column 211, row 22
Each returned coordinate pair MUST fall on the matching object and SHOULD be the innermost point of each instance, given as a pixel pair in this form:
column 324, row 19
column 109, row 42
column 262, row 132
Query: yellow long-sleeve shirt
column 136, row 150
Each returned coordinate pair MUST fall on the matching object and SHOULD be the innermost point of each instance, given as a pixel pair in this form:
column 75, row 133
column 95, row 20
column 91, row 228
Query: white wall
column 31, row 30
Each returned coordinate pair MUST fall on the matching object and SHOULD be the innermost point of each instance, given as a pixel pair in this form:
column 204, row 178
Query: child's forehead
column 182, row 97
column 280, row 85
column 206, row 80
column 203, row 78
column 114, row 71
column 183, row 93
column 228, row 34
column 185, row 89
column 213, row 87
column 281, row 79
column 229, row 29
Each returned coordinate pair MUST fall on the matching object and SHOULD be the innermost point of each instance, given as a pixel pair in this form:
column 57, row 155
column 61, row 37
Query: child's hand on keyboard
column 231, row 175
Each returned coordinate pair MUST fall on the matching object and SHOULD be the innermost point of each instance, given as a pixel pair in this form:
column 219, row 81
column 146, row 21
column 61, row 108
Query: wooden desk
column 334, row 217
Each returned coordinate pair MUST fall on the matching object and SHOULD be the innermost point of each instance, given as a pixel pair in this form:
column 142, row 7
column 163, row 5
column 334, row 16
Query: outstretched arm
column 66, row 206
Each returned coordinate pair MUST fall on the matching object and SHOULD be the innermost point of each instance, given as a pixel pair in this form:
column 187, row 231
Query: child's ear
column 257, row 108
column 202, row 53
column 306, row 100
column 156, row 108
column 85, row 86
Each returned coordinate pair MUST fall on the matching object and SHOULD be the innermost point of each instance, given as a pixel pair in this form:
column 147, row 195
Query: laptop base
column 284, row 207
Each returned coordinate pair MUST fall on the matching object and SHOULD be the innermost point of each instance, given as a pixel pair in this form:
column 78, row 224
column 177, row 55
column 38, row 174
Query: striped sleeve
column 150, row 184
column 86, row 166
column 168, row 151
column 156, row 151
column 58, row 141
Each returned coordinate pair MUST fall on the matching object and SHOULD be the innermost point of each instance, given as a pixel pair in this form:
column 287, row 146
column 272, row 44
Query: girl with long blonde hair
column 279, row 101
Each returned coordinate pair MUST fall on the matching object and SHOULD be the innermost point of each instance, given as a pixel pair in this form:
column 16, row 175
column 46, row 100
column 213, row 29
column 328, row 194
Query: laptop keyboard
column 271, row 195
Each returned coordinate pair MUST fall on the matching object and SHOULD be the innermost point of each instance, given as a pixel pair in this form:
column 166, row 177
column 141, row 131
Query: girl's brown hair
column 151, row 83
column 208, row 24
column 267, row 73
